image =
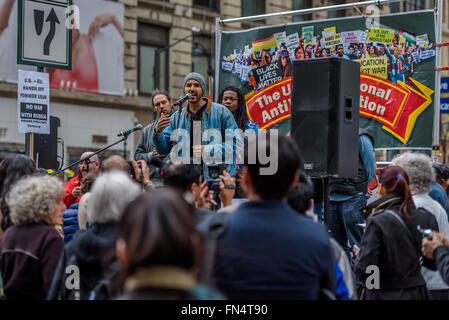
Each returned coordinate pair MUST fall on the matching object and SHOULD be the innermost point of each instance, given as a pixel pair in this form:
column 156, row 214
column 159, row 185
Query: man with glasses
column 73, row 187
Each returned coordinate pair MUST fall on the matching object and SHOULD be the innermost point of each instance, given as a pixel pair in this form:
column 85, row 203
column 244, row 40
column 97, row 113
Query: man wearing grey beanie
column 193, row 124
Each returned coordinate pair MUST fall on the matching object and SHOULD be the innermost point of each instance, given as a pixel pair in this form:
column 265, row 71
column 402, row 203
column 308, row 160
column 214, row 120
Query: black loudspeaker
column 46, row 146
column 325, row 115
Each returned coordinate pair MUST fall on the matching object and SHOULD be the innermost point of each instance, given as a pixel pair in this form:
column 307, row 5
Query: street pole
column 31, row 134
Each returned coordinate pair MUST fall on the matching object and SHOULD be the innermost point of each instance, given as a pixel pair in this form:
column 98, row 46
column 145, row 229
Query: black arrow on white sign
column 53, row 19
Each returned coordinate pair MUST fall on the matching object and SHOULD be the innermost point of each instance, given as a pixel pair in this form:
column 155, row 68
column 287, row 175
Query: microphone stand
column 87, row 159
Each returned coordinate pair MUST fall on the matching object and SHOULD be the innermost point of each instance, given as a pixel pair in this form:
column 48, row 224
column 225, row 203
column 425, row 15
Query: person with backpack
column 91, row 250
column 419, row 169
column 388, row 263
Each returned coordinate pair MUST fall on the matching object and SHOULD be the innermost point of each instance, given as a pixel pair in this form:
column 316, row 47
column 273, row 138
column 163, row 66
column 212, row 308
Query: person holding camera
column 437, row 247
column 162, row 104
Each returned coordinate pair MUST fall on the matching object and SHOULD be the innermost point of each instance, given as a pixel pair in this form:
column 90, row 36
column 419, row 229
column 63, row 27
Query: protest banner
column 396, row 109
column 350, row 37
column 267, row 75
column 381, row 35
column 332, row 41
column 307, row 34
column 375, row 66
column 271, row 105
column 33, row 102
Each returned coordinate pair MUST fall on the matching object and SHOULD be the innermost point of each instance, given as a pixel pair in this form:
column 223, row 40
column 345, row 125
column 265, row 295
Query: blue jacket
column 269, row 251
column 215, row 116
column 70, row 225
column 438, row 194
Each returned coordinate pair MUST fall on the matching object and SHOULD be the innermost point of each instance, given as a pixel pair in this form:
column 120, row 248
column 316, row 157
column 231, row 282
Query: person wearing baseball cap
column 195, row 139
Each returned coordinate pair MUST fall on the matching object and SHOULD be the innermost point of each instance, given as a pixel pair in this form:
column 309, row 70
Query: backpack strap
column 216, row 227
column 408, row 232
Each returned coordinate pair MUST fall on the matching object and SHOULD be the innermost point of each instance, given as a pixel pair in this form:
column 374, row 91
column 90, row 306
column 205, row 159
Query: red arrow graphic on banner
column 396, row 106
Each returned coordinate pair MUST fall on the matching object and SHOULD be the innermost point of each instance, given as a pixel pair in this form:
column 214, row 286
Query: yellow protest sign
column 332, row 41
column 375, row 66
column 381, row 35
column 329, row 31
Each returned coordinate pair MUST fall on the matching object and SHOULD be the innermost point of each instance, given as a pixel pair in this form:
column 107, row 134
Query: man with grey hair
column 195, row 122
column 111, row 192
column 421, row 174
column 73, row 187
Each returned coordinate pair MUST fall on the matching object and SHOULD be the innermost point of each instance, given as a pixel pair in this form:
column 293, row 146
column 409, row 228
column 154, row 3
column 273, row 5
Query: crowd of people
column 158, row 228
column 401, row 54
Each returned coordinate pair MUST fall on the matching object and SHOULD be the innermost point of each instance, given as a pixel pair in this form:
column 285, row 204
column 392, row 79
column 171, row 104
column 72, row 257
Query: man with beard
column 145, row 150
column 191, row 126
column 73, row 187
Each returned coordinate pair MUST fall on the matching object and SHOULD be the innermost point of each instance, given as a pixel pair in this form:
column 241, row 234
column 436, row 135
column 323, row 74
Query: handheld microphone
column 182, row 100
column 127, row 132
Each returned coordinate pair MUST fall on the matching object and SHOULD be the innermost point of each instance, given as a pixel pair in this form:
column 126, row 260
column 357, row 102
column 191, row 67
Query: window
column 335, row 13
column 213, row 5
column 150, row 39
column 302, row 4
column 202, row 57
column 253, row 7
column 413, row 5
column 393, row 7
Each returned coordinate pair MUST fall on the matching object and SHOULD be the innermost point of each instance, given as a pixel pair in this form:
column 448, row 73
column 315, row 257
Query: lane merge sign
column 44, row 40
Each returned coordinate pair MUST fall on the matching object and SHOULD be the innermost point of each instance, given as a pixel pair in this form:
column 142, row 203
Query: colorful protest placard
column 349, row 37
column 307, row 34
column 381, row 35
column 267, row 75
column 375, row 66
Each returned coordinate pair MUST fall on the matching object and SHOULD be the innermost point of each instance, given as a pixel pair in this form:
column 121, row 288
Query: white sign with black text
column 33, row 102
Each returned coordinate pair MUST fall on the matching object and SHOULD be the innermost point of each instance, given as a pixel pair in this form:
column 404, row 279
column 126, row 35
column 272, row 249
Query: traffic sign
column 43, row 38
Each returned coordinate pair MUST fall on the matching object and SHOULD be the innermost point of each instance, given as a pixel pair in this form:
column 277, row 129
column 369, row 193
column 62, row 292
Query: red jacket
column 68, row 199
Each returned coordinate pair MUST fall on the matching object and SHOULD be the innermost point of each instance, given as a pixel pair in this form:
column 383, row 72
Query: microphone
column 127, row 132
column 182, row 100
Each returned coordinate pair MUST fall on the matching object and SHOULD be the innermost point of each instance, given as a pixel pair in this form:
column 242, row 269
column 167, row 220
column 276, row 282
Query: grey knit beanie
column 197, row 77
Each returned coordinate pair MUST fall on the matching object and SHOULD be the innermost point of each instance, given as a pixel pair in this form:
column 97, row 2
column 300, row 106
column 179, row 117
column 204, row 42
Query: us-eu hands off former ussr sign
column 44, row 39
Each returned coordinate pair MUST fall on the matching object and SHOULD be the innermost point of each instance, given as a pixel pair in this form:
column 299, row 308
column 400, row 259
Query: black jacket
column 144, row 151
column 394, row 250
column 88, row 250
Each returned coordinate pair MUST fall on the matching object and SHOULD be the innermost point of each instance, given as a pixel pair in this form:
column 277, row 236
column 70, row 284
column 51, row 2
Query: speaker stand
column 326, row 199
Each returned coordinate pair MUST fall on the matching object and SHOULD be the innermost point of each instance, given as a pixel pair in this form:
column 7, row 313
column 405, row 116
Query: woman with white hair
column 421, row 173
column 89, row 249
column 30, row 249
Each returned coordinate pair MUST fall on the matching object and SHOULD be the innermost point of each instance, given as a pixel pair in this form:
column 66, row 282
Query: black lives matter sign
column 266, row 75
column 33, row 102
